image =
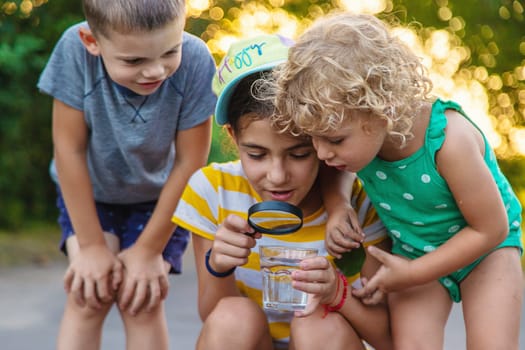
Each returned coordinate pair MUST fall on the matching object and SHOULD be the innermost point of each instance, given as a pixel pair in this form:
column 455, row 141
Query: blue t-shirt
column 131, row 146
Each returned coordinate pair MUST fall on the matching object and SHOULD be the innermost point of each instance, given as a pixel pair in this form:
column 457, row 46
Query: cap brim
column 221, row 108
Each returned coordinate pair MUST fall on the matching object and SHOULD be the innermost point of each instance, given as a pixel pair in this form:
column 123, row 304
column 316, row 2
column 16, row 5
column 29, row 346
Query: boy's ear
column 89, row 41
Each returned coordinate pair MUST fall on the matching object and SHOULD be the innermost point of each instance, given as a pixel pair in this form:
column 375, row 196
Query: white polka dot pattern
column 381, row 175
column 414, row 200
column 408, row 196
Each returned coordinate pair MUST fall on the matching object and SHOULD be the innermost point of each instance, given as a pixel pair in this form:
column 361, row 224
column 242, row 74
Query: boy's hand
column 145, row 281
column 343, row 231
column 93, row 276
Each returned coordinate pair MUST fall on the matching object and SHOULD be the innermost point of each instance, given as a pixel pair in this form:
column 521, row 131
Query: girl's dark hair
column 243, row 102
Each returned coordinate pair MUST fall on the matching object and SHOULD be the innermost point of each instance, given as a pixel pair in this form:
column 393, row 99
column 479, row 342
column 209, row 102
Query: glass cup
column 277, row 265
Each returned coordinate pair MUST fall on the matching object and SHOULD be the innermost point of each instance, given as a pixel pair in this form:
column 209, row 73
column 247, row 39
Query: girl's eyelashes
column 301, row 155
column 296, row 155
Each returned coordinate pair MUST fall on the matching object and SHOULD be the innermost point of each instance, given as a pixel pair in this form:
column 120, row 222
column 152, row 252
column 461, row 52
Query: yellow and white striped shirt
column 220, row 189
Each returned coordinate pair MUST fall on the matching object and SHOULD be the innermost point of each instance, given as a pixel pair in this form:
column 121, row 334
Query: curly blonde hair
column 343, row 63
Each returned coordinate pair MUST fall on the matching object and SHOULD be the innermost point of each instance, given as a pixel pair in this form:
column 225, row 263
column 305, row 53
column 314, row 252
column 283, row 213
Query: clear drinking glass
column 277, row 265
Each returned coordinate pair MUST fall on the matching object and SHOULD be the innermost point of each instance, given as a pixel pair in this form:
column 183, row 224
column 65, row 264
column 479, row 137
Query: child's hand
column 374, row 297
column 318, row 278
column 232, row 244
column 393, row 275
column 145, row 281
column 93, row 276
column 343, row 231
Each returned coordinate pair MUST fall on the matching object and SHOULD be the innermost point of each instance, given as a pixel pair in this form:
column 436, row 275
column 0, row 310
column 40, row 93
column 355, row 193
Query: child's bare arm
column 230, row 248
column 89, row 274
column 343, row 231
column 370, row 266
column 143, row 261
column 460, row 161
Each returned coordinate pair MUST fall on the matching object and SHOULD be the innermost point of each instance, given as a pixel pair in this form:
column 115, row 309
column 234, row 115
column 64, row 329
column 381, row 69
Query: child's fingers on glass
column 311, row 283
column 314, row 263
column 311, row 306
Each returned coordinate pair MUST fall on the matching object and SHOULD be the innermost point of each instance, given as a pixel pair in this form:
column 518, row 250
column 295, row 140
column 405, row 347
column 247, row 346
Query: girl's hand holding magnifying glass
column 232, row 246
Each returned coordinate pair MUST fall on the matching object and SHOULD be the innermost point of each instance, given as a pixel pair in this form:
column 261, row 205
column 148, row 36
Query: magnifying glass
column 275, row 218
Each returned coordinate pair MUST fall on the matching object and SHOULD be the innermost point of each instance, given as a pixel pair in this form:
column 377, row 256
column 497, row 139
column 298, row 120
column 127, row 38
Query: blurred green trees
column 492, row 34
column 26, row 40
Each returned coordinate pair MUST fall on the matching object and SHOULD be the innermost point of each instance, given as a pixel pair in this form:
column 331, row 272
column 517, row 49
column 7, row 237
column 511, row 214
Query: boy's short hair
column 243, row 59
column 128, row 16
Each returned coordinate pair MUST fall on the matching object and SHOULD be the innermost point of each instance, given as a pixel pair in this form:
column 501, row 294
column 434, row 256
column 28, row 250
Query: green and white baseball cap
column 246, row 57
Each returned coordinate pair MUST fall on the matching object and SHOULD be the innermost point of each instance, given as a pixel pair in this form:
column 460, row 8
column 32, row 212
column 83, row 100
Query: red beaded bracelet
column 327, row 307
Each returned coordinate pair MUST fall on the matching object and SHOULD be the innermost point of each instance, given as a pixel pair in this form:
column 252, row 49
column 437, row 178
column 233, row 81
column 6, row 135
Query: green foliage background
column 26, row 194
column 27, row 39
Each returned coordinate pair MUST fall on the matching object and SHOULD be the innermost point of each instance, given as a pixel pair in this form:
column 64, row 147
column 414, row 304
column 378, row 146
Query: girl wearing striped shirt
column 214, row 205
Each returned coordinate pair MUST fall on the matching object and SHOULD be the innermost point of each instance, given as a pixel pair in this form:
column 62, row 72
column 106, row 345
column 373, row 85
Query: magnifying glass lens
column 273, row 217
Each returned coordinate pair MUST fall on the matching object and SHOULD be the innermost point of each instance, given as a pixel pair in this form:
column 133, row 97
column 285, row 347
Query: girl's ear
column 231, row 132
column 371, row 126
column 366, row 126
column 89, row 41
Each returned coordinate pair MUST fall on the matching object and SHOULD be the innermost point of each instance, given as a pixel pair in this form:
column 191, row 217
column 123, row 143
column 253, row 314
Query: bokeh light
column 441, row 52
column 492, row 100
column 21, row 7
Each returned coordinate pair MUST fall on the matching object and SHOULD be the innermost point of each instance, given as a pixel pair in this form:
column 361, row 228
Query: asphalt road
column 31, row 305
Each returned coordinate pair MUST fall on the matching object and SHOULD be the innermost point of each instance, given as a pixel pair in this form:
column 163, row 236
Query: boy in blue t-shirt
column 131, row 122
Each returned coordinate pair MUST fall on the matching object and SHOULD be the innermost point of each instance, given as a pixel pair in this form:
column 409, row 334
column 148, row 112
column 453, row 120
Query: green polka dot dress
column 414, row 201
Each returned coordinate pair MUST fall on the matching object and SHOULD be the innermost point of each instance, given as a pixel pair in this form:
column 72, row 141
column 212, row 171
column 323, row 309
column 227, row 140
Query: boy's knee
column 143, row 317
column 86, row 313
